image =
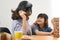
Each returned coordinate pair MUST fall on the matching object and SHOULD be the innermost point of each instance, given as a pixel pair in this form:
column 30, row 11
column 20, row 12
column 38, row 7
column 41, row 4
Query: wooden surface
column 38, row 37
column 44, row 38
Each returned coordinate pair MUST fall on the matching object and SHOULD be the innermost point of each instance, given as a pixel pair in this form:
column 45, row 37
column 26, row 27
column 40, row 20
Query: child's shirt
column 44, row 29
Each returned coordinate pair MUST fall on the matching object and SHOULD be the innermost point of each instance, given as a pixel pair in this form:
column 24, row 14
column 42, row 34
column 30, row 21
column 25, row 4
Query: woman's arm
column 22, row 14
column 24, row 24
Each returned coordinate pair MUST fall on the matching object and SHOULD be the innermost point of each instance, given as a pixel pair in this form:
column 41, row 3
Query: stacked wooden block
column 55, row 22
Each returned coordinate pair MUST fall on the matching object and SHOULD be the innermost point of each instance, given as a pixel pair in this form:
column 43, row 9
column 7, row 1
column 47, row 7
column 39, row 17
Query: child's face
column 40, row 20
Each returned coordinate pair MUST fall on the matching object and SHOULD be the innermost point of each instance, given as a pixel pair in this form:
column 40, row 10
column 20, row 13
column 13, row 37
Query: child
column 41, row 25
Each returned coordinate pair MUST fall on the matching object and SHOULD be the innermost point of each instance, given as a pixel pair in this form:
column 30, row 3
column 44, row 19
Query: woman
column 20, row 17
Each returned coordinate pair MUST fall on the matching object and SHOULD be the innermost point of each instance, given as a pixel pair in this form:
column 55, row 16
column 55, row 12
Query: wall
column 39, row 6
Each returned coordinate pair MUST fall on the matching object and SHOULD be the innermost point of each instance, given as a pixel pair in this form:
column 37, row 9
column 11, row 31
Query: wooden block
column 55, row 22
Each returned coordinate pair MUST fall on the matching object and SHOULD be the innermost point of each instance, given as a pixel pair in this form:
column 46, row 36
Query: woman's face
column 28, row 13
column 40, row 20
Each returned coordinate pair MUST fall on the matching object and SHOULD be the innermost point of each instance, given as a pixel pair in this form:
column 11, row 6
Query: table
column 34, row 37
column 43, row 37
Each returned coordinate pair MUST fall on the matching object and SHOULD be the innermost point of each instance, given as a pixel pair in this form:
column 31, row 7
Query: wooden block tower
column 55, row 22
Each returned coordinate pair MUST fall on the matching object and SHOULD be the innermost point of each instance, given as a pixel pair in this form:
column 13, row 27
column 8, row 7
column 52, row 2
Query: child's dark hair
column 43, row 15
column 25, row 6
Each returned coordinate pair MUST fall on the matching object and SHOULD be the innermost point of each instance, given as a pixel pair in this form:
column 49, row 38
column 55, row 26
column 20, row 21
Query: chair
column 4, row 29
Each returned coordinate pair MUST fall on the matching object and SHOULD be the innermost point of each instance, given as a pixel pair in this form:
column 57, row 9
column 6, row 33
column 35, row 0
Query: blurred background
column 50, row 7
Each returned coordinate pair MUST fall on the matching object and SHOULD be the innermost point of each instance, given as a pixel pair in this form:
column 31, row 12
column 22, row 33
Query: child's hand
column 34, row 23
column 22, row 14
column 52, row 31
column 49, row 33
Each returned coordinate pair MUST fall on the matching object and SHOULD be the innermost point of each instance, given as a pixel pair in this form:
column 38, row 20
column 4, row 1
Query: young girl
column 41, row 25
column 20, row 17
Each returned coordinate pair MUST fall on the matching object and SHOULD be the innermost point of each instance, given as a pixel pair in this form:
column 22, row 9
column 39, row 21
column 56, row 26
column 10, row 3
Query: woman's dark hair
column 43, row 15
column 25, row 6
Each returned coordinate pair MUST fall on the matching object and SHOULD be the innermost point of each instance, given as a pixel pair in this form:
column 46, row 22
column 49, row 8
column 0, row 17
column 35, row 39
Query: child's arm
column 37, row 32
column 43, row 33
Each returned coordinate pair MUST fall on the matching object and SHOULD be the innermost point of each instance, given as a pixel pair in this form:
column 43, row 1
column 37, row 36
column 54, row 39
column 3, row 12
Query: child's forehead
column 40, row 17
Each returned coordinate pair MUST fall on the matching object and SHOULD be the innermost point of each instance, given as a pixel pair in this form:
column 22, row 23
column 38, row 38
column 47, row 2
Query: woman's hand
column 22, row 14
column 24, row 24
